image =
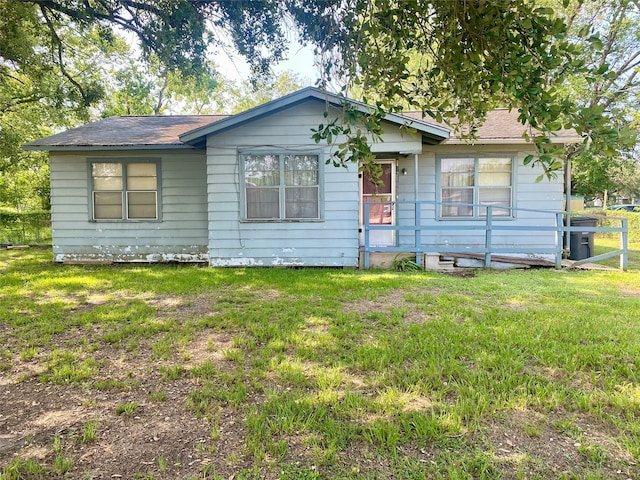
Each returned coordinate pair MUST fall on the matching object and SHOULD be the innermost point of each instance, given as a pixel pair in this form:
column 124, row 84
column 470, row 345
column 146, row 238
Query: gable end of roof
column 432, row 132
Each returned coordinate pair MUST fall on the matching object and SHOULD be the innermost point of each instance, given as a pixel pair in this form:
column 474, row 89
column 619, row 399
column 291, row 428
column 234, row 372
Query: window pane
column 107, row 169
column 141, row 176
column 141, row 169
column 457, row 195
column 107, row 205
column 107, row 183
column 301, row 170
column 457, row 172
column 301, row 202
column 494, row 179
column 457, row 165
column 263, row 203
column 379, row 212
column 262, row 170
column 106, row 176
column 369, row 188
column 496, row 196
column 141, row 183
column 498, row 164
column 141, row 205
column 494, row 171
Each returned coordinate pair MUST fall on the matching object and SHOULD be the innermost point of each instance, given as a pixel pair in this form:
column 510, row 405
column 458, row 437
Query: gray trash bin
column 581, row 243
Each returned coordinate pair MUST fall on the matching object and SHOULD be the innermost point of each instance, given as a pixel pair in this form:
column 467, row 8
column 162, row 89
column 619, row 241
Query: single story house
column 254, row 189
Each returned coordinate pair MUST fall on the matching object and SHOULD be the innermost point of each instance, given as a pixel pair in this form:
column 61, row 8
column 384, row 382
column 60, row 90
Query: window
column 475, row 180
column 124, row 190
column 281, row 187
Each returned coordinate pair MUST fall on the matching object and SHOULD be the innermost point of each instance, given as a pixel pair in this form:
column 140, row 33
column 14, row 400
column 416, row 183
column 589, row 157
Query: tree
column 245, row 95
column 39, row 93
column 137, row 88
column 468, row 54
column 456, row 60
column 607, row 30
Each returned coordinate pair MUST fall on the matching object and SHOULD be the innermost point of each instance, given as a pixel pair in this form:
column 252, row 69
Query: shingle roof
column 501, row 126
column 127, row 132
column 185, row 131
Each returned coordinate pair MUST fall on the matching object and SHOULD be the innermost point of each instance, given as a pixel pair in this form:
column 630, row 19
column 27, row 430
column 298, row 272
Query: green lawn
column 317, row 373
column 609, row 244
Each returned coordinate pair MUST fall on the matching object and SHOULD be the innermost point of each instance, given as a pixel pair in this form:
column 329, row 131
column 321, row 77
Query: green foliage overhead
column 452, row 60
column 455, row 61
column 605, row 93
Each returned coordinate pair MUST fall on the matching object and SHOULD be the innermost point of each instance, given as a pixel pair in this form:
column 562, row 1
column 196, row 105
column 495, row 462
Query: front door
column 380, row 211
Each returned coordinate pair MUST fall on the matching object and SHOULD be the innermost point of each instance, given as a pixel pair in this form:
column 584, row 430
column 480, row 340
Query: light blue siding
column 334, row 240
column 180, row 234
column 330, row 241
column 527, row 194
column 201, row 201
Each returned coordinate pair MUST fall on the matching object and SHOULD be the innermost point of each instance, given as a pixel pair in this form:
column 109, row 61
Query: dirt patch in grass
column 630, row 290
column 160, row 438
column 394, row 300
column 547, row 446
column 125, row 445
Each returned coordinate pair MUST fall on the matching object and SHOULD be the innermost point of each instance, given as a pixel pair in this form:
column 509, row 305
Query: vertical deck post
column 418, row 232
column 567, row 201
column 624, row 245
column 417, row 223
column 366, row 235
column 559, row 238
column 487, row 241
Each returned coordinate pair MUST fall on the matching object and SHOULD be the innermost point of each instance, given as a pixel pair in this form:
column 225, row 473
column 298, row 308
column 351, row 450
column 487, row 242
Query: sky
column 299, row 60
column 231, row 65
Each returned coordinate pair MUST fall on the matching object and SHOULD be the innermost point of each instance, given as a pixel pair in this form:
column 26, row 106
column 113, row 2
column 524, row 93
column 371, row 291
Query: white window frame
column 476, row 213
column 282, row 187
column 124, row 191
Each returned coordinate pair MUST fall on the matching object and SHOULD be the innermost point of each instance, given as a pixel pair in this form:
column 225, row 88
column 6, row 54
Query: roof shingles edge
column 502, row 126
column 126, row 132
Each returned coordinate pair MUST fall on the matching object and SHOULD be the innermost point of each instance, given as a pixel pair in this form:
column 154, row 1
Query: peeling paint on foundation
column 107, row 254
column 236, row 262
column 133, row 254
column 286, row 262
column 276, row 261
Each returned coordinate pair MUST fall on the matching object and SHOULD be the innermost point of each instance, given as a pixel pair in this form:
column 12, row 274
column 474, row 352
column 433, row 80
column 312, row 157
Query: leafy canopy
column 608, row 31
column 451, row 60
column 454, row 61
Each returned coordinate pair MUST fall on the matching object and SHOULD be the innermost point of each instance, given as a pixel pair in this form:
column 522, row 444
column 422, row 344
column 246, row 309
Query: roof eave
column 96, row 148
column 509, row 141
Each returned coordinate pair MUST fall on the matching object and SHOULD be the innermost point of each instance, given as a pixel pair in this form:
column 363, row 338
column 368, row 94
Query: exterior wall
column 330, row 241
column 179, row 235
column 527, row 194
column 201, row 202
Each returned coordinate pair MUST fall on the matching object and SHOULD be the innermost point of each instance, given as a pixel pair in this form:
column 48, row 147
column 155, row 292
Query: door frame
column 381, row 161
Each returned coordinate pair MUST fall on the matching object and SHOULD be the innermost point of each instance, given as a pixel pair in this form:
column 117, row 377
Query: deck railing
column 490, row 225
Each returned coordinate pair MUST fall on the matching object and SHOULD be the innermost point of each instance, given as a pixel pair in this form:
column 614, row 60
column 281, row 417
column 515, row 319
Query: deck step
column 434, row 261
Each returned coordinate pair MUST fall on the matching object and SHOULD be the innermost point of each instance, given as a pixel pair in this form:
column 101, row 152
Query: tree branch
column 58, row 45
column 630, row 65
column 621, row 91
column 33, row 98
column 111, row 15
